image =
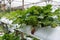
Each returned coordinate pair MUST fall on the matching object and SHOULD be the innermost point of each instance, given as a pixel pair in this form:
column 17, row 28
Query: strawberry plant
column 40, row 15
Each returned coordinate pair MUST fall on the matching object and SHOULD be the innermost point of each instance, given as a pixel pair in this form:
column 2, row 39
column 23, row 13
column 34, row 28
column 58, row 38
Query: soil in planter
column 23, row 39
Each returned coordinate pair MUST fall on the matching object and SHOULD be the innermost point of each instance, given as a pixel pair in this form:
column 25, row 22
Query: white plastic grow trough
column 46, row 33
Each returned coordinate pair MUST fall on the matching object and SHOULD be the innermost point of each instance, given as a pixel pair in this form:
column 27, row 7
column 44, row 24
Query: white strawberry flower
column 55, row 16
column 29, row 38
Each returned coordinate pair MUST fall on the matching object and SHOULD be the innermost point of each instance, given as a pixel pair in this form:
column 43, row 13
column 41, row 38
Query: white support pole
column 22, row 4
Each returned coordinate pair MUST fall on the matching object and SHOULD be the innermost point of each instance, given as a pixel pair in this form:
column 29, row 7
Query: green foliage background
column 35, row 15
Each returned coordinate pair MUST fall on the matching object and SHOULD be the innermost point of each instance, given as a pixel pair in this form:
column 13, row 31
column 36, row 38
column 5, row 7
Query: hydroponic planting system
column 32, row 21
